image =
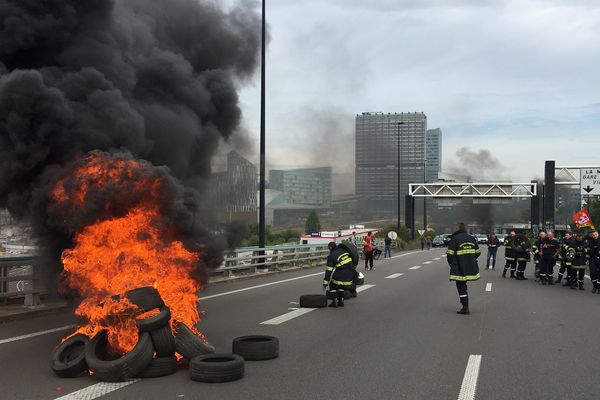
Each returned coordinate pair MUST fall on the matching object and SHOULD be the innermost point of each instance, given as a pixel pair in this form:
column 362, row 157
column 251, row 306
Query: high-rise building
column 306, row 186
column 234, row 190
column 380, row 139
column 433, row 151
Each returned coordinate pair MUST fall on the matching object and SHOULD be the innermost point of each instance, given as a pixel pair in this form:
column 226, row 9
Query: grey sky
column 520, row 78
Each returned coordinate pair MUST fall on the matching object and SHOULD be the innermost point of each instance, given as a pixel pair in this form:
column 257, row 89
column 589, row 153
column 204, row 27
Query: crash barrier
column 19, row 279
column 272, row 258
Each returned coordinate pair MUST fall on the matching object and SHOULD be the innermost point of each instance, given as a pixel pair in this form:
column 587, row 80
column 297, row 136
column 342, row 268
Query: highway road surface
column 400, row 339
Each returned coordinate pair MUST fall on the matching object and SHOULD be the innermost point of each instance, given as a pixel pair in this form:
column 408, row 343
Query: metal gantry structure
column 490, row 190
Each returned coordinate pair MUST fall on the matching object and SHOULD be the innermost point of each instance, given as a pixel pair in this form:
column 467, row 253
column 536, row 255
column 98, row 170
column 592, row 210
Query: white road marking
column 287, row 316
column 212, row 296
column 437, row 258
column 488, row 287
column 469, row 383
column 393, row 276
column 97, row 390
column 362, row 288
column 406, row 254
column 415, row 267
column 30, row 335
column 427, row 262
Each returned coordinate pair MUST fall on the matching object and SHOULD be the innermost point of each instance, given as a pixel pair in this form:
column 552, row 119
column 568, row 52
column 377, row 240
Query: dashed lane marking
column 469, row 383
column 212, row 296
column 437, row 258
column 427, row 262
column 405, row 254
column 97, row 390
column 30, row 335
column 287, row 316
column 488, row 287
column 415, row 267
column 362, row 288
column 393, row 276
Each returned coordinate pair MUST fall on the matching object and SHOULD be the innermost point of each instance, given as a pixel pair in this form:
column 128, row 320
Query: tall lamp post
column 398, row 164
column 261, row 208
column 425, row 198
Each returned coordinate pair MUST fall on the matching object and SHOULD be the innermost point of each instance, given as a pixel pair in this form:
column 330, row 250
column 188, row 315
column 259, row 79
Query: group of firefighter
column 575, row 253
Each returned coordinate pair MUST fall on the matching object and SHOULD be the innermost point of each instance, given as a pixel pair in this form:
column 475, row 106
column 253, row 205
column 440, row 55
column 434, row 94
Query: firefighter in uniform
column 509, row 255
column 593, row 245
column 579, row 261
column 522, row 254
column 550, row 250
column 537, row 251
column 565, row 265
column 462, row 254
column 339, row 274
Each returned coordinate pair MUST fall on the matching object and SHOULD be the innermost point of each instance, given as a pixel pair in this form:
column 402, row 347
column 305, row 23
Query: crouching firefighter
column 462, row 256
column 339, row 274
column 579, row 262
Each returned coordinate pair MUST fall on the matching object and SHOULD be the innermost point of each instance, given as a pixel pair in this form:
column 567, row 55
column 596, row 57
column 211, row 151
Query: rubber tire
column 313, row 301
column 188, row 344
column 163, row 341
column 256, row 347
column 123, row 368
column 66, row 366
column 222, row 368
column 146, row 298
column 159, row 366
column 155, row 322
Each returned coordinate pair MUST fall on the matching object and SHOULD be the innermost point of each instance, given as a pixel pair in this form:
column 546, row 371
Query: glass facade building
column 306, row 186
column 378, row 138
column 433, row 149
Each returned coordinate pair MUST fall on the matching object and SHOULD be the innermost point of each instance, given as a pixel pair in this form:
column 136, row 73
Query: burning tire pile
column 155, row 353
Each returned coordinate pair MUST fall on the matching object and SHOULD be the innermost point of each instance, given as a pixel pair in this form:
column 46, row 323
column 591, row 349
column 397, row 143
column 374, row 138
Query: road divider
column 469, row 383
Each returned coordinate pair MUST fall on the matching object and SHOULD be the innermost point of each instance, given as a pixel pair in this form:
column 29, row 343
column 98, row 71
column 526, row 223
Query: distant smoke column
column 155, row 79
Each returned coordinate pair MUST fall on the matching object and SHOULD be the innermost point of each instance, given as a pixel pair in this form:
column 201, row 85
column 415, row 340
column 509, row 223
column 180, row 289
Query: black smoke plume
column 144, row 79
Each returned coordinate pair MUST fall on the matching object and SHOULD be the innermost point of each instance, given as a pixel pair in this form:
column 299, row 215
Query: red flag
column 582, row 219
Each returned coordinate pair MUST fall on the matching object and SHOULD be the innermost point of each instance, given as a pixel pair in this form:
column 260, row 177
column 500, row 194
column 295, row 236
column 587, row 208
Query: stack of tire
column 153, row 355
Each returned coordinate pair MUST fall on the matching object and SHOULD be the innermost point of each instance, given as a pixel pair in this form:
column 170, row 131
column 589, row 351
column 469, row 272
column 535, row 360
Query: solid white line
column 30, row 335
column 406, row 254
column 469, row 383
column 393, row 276
column 212, row 296
column 287, row 316
column 97, row 390
column 362, row 288
column 488, row 287
column 427, row 262
column 415, row 267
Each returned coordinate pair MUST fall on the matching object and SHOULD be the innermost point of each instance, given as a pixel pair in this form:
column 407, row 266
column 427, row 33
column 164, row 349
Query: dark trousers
column 491, row 255
column 339, row 290
column 461, row 286
column 522, row 264
column 512, row 264
column 388, row 251
column 595, row 271
column 369, row 259
column 576, row 274
column 563, row 269
column 547, row 267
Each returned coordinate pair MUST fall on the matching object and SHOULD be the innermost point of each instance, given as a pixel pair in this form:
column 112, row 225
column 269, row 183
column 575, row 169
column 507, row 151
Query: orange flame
column 116, row 255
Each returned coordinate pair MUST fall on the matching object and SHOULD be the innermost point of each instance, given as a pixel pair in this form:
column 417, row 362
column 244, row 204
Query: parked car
column 481, row 239
column 446, row 237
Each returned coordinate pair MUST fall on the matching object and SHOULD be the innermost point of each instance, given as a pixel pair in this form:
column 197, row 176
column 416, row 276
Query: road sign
column 392, row 235
column 590, row 181
column 421, row 231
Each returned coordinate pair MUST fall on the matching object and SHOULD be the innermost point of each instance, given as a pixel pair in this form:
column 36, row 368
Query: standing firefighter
column 537, row 252
column 550, row 250
column 578, row 260
column 522, row 254
column 565, row 264
column 340, row 272
column 462, row 256
column 594, row 253
column 509, row 255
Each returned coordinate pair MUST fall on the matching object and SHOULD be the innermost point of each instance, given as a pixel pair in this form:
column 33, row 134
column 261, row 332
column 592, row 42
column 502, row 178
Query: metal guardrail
column 18, row 279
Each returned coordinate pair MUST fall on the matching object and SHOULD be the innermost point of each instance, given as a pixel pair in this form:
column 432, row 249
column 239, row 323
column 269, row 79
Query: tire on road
column 256, row 347
column 163, row 341
column 146, row 298
column 190, row 345
column 159, row 366
column 155, row 322
column 68, row 358
column 313, row 301
column 120, row 369
column 215, row 368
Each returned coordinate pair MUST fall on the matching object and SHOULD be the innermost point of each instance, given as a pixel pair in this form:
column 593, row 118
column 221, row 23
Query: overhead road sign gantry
column 488, row 190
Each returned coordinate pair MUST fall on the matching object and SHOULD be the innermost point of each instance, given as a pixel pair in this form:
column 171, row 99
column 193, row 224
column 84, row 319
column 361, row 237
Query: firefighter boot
column 572, row 284
column 341, row 301
column 521, row 276
column 560, row 279
column 550, row 278
column 504, row 272
column 465, row 306
column 595, row 288
column 543, row 280
column 333, row 303
column 512, row 273
column 581, row 285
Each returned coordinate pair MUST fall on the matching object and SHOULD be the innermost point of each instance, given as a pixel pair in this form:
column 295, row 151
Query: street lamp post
column 398, row 166
column 424, row 198
column 261, row 208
